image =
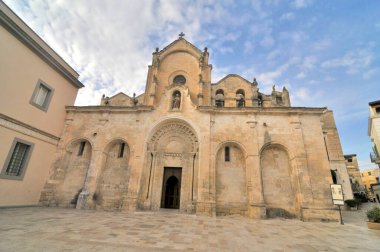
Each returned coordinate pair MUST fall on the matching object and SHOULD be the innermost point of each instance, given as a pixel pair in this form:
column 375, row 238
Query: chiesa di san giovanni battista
column 200, row 147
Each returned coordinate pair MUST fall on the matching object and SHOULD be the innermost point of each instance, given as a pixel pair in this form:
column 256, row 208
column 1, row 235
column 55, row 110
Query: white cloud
column 301, row 3
column 219, row 72
column 321, row 45
column 258, row 8
column 267, row 79
column 370, row 73
column 225, row 49
column 248, row 47
column 287, row 16
column 267, row 41
column 329, row 79
column 352, row 115
column 366, row 165
column 221, row 41
column 301, row 75
column 309, row 62
column 264, row 29
column 302, row 93
column 354, row 61
column 301, row 96
column 294, row 36
column 110, row 42
column 274, row 54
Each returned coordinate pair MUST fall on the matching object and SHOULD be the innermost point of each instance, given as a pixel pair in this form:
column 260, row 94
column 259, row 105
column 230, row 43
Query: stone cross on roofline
column 181, row 35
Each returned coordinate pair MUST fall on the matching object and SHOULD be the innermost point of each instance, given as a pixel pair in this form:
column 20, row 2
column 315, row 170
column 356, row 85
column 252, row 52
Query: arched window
column 333, row 176
column 279, row 100
column 227, row 154
column 176, row 100
column 260, row 100
column 121, row 150
column 81, row 148
column 179, row 79
column 240, row 98
column 219, row 98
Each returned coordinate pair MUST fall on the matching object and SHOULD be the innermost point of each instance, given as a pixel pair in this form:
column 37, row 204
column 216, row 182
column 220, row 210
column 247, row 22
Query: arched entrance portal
column 172, row 156
column 171, row 188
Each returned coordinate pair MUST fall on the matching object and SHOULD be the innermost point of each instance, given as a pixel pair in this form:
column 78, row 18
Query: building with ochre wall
column 371, row 177
column 374, row 131
column 206, row 148
column 36, row 84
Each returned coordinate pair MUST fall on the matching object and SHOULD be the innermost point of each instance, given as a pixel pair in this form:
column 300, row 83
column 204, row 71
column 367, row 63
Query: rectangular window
column 369, row 173
column 333, row 176
column 349, row 160
column 377, row 110
column 17, row 160
column 81, row 148
column 121, row 150
column 42, row 95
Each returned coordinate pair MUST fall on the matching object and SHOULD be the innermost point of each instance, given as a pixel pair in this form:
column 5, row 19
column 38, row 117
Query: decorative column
column 256, row 208
column 156, row 182
column 187, row 182
column 206, row 175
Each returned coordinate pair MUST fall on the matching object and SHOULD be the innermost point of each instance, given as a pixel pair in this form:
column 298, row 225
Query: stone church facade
column 200, row 147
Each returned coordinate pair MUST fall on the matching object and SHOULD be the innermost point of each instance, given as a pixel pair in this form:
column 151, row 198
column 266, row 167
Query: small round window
column 179, row 79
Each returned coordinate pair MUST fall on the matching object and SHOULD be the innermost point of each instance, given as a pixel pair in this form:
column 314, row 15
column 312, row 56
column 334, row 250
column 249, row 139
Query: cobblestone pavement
column 57, row 229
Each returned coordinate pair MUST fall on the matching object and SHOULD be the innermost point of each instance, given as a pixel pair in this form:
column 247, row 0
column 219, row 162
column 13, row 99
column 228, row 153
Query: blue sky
column 325, row 52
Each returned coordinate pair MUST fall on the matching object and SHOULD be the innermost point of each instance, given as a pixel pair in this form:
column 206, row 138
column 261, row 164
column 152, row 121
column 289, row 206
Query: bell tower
column 179, row 63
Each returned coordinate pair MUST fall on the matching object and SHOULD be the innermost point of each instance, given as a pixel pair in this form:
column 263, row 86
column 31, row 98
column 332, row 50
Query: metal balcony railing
column 374, row 158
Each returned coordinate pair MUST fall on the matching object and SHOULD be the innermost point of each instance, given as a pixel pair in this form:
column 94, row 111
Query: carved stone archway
column 176, row 127
column 173, row 143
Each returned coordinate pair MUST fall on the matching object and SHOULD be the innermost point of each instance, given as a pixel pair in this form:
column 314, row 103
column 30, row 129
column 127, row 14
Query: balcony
column 375, row 158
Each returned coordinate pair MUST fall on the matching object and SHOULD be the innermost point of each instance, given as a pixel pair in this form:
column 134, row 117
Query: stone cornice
column 10, row 21
column 209, row 109
column 16, row 125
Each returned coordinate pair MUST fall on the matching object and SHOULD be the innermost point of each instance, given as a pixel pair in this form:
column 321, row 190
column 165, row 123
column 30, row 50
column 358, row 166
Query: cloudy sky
column 327, row 53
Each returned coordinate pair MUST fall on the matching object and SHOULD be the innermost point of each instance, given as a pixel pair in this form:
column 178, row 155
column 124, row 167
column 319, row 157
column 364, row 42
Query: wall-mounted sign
column 337, row 194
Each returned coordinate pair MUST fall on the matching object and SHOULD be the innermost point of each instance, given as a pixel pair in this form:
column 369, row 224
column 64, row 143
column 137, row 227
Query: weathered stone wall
column 75, row 167
column 335, row 153
column 278, row 190
column 112, row 184
column 231, row 184
column 203, row 174
column 279, row 165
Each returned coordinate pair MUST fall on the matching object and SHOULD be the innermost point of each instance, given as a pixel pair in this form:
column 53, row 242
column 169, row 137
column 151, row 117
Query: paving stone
column 59, row 229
